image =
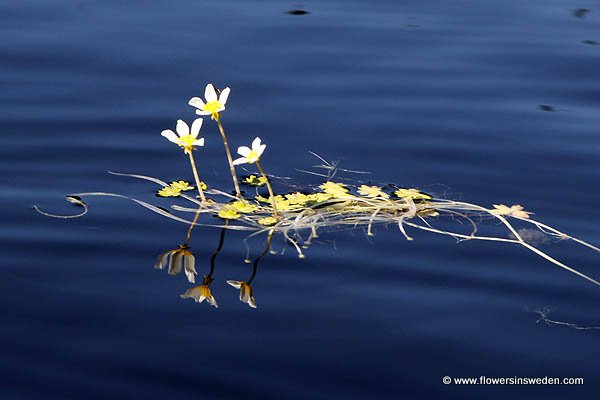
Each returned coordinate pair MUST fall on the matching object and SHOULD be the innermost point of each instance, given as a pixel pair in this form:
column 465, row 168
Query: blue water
column 440, row 95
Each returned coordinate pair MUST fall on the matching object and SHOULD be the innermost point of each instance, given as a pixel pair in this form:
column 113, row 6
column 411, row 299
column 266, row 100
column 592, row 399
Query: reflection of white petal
column 235, row 284
column 170, row 135
column 196, row 102
column 224, row 95
column 196, row 125
column 252, row 303
column 244, row 151
column 175, row 264
column 244, row 293
column 182, row 128
column 209, row 93
column 194, row 293
column 190, row 268
column 187, row 294
column 239, row 161
column 212, row 301
column 161, row 262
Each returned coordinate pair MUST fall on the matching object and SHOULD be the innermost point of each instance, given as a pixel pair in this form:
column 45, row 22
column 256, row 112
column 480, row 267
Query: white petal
column 199, row 142
column 235, row 284
column 196, row 102
column 261, row 149
column 170, row 135
column 239, row 161
column 256, row 144
column 182, row 128
column 224, row 95
column 196, row 125
column 202, row 112
column 244, row 151
column 209, row 93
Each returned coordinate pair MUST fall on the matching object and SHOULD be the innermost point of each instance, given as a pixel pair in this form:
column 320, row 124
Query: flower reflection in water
column 245, row 288
column 203, row 292
column 180, row 257
column 177, row 258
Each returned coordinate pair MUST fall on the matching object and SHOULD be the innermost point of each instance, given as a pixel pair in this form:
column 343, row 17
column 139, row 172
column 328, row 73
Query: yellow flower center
column 187, row 142
column 252, row 157
column 213, row 107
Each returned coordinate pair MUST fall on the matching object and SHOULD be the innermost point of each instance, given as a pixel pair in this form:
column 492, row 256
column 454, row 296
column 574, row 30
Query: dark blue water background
column 439, row 95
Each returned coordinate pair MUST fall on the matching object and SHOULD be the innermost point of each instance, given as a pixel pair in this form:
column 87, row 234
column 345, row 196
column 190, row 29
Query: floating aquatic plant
column 299, row 216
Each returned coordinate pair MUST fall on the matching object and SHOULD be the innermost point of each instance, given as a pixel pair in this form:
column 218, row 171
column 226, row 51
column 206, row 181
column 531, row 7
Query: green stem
column 229, row 158
column 275, row 213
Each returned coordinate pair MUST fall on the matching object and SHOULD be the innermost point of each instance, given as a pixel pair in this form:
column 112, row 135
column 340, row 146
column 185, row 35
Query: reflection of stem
column 261, row 255
column 198, row 183
column 217, row 251
column 191, row 228
column 275, row 214
column 228, row 152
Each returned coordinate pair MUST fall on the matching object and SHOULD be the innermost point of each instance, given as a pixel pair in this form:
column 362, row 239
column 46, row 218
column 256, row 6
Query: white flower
column 199, row 294
column 213, row 104
column 250, row 155
column 186, row 139
column 245, row 292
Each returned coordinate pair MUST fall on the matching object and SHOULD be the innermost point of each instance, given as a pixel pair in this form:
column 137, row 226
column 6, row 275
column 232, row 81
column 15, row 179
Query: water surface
column 437, row 95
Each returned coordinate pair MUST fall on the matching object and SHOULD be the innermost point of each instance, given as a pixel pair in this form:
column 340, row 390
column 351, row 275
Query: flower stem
column 228, row 152
column 275, row 213
column 218, row 250
column 198, row 183
column 265, row 251
column 191, row 228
